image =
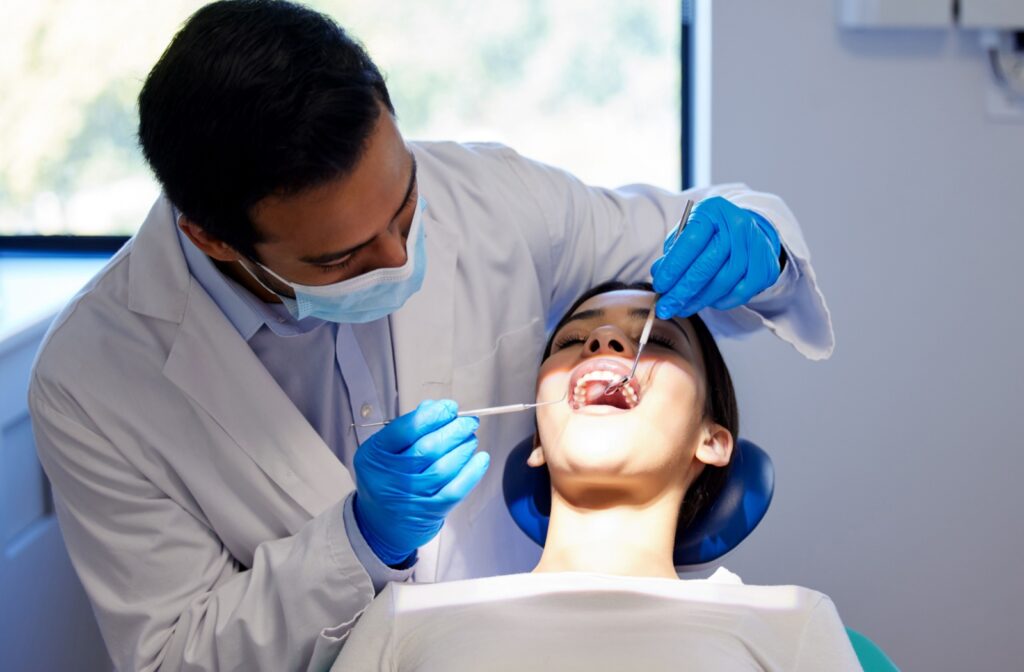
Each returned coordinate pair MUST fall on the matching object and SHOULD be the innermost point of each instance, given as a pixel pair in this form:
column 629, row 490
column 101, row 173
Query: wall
column 899, row 460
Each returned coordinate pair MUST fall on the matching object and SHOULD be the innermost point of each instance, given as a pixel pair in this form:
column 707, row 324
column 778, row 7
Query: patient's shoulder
column 788, row 593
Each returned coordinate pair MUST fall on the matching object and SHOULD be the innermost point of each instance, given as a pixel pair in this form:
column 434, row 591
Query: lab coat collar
column 158, row 278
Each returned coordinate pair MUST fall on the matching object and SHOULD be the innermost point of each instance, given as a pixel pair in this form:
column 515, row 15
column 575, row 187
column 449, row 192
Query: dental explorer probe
column 490, row 410
column 646, row 333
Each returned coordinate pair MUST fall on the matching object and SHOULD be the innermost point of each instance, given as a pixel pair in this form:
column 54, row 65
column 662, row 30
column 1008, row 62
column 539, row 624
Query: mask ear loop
column 262, row 284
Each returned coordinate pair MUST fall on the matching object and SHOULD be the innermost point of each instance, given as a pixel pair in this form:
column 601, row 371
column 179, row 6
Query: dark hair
column 719, row 405
column 253, row 98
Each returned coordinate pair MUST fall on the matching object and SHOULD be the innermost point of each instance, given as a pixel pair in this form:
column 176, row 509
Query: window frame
column 61, row 243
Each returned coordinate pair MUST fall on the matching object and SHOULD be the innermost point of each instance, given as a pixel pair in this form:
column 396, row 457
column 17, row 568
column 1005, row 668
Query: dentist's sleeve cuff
column 380, row 574
column 775, row 298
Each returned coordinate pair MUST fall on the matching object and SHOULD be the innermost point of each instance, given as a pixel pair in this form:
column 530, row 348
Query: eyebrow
column 331, row 256
column 635, row 313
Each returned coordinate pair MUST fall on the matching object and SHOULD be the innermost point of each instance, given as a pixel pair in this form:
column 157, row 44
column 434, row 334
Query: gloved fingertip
column 470, row 423
column 437, row 410
column 660, row 280
column 483, row 461
column 656, row 265
column 430, row 405
column 666, row 309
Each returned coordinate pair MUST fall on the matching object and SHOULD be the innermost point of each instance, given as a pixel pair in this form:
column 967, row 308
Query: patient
column 626, row 469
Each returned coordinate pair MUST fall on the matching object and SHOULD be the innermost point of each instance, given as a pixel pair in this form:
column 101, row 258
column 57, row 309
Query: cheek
column 552, row 383
column 672, row 410
column 673, row 400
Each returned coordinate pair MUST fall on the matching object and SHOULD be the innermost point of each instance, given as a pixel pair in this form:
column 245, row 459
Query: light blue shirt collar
column 243, row 309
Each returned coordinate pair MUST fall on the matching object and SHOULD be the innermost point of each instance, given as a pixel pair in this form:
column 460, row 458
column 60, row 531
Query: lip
column 600, row 410
column 614, row 365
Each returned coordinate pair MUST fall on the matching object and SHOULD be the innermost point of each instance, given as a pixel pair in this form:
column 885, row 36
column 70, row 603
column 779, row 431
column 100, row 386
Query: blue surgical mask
column 366, row 297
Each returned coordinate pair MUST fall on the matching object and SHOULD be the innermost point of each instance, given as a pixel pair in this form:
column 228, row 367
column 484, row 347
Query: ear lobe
column 715, row 449
column 536, row 458
column 207, row 244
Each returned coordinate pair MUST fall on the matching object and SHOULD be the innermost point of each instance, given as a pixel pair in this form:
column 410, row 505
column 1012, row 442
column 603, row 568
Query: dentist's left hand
column 411, row 473
column 724, row 257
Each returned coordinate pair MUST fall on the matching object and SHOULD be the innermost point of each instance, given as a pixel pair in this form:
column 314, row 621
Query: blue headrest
column 740, row 505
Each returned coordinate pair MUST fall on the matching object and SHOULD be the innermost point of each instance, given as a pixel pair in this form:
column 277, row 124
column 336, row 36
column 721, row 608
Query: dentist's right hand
column 411, row 473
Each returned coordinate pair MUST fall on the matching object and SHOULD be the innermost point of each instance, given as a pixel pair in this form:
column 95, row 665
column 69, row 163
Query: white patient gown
column 596, row 623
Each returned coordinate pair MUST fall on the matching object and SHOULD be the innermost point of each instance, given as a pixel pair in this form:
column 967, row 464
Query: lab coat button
column 365, row 411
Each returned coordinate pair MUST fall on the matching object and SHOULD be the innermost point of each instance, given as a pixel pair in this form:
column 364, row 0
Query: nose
column 392, row 251
column 608, row 340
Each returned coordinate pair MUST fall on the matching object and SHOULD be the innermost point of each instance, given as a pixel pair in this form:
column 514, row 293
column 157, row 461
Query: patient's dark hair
column 254, row 98
column 719, row 406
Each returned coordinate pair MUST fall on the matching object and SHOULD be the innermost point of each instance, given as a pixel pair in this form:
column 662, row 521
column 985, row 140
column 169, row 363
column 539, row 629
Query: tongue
column 595, row 396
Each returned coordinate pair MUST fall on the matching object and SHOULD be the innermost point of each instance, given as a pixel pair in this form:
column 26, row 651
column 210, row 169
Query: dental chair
column 739, row 508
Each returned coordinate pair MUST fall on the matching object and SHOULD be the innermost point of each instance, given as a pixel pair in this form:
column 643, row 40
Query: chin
column 599, row 445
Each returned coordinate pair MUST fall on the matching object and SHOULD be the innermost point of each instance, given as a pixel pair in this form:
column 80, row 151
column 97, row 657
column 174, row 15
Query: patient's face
column 640, row 439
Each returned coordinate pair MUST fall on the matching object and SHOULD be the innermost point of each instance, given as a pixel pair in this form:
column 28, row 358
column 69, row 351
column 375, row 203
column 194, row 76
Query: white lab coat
column 200, row 509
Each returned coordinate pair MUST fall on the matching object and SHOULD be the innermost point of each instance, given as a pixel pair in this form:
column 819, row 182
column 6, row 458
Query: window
column 589, row 85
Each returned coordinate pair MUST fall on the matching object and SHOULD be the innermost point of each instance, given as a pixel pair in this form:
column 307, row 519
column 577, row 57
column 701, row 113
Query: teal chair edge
column 871, row 658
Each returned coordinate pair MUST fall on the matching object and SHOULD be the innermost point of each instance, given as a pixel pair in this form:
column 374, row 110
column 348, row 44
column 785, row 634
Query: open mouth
column 588, row 383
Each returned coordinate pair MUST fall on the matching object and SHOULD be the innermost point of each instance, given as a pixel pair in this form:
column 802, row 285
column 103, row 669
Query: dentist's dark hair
column 255, row 98
column 719, row 405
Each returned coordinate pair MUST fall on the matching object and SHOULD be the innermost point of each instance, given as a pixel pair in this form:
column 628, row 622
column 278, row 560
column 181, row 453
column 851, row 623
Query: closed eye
column 567, row 340
column 337, row 265
column 578, row 339
column 663, row 341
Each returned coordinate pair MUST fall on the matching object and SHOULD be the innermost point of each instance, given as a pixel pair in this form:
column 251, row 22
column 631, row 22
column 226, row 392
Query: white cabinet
column 999, row 14
column 895, row 13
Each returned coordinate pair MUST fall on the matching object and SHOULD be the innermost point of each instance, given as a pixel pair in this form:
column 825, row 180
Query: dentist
column 307, row 270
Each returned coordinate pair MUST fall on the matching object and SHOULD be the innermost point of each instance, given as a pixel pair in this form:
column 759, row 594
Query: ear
column 209, row 245
column 715, row 448
column 536, row 458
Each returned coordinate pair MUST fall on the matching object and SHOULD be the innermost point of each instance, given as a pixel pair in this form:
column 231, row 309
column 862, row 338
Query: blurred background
column 886, row 127
column 556, row 80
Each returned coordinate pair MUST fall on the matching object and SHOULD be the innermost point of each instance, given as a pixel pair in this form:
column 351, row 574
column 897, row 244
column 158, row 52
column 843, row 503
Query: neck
column 624, row 539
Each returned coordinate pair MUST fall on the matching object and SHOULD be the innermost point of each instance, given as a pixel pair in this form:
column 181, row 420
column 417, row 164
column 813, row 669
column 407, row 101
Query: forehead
column 618, row 305
column 619, row 301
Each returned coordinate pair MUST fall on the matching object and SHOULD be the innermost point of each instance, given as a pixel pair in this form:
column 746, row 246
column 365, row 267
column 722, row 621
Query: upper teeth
column 597, row 375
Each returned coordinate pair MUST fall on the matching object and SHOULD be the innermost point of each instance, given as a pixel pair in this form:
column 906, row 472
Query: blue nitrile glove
column 725, row 256
column 411, row 473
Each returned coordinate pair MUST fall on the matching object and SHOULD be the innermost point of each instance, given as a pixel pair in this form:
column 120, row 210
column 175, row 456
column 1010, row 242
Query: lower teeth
column 580, row 399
